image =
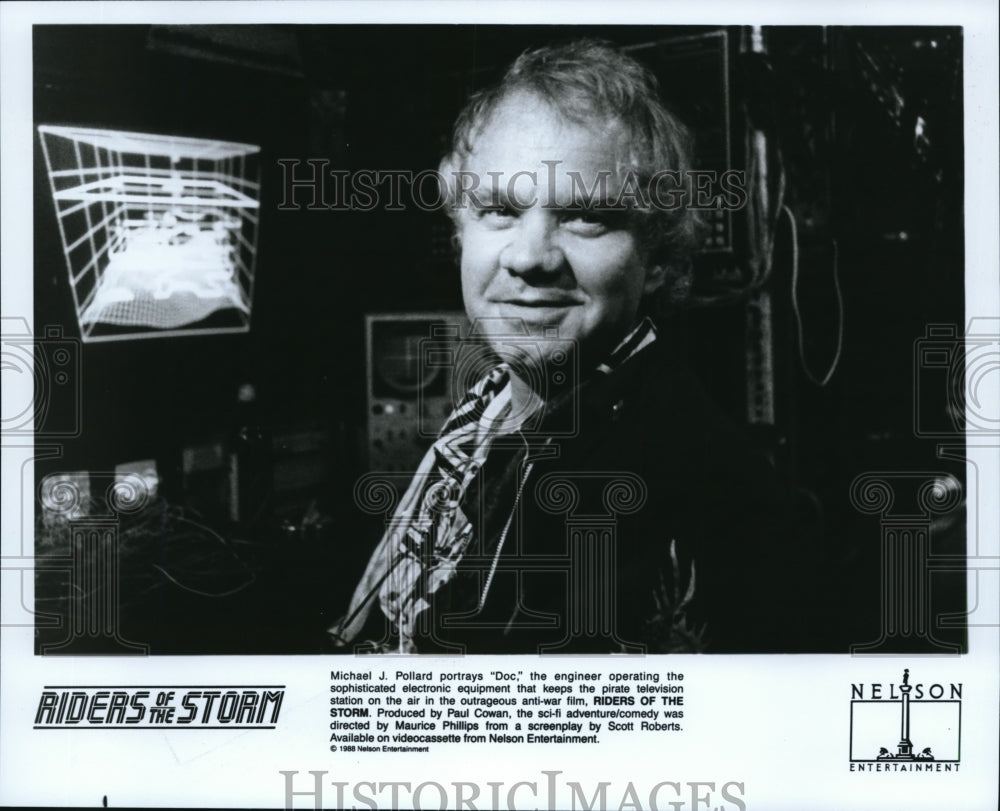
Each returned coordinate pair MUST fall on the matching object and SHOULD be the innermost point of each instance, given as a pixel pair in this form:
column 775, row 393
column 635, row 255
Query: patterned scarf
column 429, row 532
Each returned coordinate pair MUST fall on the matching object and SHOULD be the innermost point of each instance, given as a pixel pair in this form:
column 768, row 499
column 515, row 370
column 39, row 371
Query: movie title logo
column 159, row 707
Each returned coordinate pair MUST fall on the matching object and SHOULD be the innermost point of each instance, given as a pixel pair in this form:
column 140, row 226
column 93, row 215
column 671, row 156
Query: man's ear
column 655, row 277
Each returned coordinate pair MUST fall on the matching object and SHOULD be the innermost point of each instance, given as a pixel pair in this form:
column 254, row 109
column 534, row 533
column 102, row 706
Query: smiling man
column 535, row 250
column 584, row 496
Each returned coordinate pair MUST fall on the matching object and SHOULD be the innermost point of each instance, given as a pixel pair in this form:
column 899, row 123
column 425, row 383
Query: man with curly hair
column 585, row 495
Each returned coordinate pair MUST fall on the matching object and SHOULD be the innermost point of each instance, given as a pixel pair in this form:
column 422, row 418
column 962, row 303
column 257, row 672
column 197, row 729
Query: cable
column 798, row 315
column 176, row 514
column 177, row 583
column 778, row 208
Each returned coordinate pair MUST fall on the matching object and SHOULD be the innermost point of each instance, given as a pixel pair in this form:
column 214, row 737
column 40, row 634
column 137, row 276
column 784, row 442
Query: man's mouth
column 541, row 303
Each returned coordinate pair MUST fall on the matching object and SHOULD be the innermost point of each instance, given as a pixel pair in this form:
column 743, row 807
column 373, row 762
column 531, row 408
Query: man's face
column 527, row 256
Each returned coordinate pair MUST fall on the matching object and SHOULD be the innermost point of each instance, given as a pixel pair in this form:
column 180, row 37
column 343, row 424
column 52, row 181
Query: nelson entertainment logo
column 906, row 727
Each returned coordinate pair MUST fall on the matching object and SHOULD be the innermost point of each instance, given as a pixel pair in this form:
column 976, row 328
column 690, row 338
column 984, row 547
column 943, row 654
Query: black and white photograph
column 345, row 370
column 639, row 362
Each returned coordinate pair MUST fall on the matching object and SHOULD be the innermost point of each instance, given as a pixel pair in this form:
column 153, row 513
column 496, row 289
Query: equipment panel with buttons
column 409, row 393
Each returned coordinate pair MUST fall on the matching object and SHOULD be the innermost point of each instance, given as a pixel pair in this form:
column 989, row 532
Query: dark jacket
column 635, row 518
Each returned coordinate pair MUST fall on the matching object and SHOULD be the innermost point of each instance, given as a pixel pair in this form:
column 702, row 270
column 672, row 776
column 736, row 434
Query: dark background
column 842, row 105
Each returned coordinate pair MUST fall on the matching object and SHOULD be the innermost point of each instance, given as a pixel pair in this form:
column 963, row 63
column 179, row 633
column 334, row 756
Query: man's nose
column 532, row 246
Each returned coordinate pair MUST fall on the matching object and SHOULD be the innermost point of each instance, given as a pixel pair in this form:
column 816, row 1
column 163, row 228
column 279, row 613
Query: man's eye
column 496, row 213
column 588, row 222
